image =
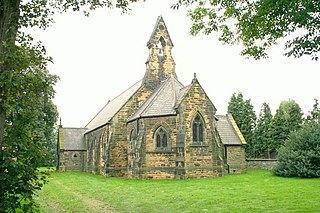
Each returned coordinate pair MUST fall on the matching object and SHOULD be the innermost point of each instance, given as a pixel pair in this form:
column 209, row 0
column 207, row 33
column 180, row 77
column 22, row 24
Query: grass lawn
column 256, row 191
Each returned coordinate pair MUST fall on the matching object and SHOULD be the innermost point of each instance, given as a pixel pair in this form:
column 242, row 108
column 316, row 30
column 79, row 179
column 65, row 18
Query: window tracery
column 161, row 138
column 197, row 129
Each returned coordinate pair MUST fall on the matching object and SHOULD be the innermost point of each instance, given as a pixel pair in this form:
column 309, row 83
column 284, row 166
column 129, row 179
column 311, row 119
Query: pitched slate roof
column 229, row 131
column 162, row 101
column 112, row 107
column 72, row 139
column 182, row 94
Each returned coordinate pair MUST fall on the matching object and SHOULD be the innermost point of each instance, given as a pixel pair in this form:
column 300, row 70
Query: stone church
column 156, row 129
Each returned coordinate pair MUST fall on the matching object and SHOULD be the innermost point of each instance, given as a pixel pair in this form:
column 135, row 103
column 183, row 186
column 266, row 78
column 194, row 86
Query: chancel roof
column 229, row 131
column 112, row 107
column 162, row 101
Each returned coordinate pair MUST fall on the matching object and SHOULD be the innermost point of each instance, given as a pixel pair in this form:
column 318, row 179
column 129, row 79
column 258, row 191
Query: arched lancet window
column 161, row 138
column 197, row 129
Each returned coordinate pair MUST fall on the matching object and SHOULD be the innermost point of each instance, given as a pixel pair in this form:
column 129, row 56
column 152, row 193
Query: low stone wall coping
column 261, row 163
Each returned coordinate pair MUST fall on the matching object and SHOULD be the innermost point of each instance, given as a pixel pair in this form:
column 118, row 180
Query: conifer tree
column 300, row 154
column 261, row 139
column 288, row 118
column 245, row 117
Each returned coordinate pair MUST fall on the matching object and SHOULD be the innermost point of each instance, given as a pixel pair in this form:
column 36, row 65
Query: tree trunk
column 9, row 19
column 2, row 124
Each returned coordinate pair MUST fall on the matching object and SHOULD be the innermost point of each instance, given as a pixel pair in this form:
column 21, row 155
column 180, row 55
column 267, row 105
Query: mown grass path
column 62, row 198
column 256, row 191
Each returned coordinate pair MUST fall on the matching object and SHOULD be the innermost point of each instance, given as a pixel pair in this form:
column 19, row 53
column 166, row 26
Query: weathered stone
column 160, row 129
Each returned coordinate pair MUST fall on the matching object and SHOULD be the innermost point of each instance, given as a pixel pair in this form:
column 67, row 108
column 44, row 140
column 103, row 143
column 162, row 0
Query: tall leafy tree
column 259, row 24
column 28, row 133
column 27, row 114
column 261, row 137
column 244, row 115
column 288, row 118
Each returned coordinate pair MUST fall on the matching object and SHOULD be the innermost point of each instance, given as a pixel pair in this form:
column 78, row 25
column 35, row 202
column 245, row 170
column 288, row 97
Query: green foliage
column 300, row 155
column 259, row 24
column 29, row 123
column 83, row 192
column 261, row 134
column 315, row 113
column 288, row 118
column 27, row 114
column 245, row 117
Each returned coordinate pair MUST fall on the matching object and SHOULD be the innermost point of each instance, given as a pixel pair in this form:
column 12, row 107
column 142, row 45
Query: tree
column 244, row 115
column 259, row 24
column 300, row 155
column 27, row 114
column 288, row 118
column 314, row 115
column 261, row 140
column 28, row 131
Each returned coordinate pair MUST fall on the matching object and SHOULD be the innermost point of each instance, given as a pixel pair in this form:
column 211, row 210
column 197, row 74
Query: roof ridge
column 181, row 97
column 174, row 92
column 236, row 128
column 97, row 113
column 125, row 90
column 155, row 94
column 169, row 87
column 110, row 101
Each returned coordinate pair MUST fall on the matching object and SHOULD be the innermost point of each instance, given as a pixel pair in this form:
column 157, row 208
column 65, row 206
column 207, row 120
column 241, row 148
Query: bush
column 300, row 155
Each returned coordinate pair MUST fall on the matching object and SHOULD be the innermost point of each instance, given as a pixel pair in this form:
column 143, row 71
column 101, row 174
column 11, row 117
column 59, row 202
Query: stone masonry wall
column 145, row 159
column 267, row 164
column 160, row 64
column 206, row 159
column 71, row 160
column 236, row 159
column 97, row 143
column 159, row 163
column 115, row 161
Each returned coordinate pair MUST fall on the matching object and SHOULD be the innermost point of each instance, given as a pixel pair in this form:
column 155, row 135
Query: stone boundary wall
column 267, row 164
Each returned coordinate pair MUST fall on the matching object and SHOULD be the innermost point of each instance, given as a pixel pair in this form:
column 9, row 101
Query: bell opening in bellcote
column 161, row 44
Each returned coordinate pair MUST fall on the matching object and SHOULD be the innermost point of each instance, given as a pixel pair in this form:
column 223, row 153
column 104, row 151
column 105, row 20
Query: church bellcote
column 160, row 64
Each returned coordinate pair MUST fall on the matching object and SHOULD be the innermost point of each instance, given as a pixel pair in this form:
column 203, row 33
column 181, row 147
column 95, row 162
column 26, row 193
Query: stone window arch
column 198, row 129
column 161, row 138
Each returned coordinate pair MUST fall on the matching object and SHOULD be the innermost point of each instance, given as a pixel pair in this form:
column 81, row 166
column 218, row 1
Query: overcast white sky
column 99, row 57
